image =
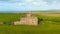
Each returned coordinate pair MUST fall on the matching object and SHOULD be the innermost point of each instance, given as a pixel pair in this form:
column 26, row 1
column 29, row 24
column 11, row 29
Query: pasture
column 49, row 25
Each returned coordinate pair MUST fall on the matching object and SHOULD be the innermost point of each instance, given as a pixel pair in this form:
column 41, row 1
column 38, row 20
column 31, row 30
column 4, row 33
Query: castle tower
column 28, row 14
column 29, row 20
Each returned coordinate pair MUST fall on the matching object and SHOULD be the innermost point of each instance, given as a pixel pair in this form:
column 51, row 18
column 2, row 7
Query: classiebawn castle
column 28, row 20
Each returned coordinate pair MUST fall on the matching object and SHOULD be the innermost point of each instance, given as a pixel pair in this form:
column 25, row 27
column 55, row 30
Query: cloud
column 32, row 2
column 52, row 1
column 48, row 0
column 21, row 4
column 28, row 0
column 4, row 0
column 10, row 0
column 14, row 0
column 35, row 3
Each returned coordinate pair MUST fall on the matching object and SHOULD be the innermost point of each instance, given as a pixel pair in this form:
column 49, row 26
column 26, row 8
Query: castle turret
column 28, row 14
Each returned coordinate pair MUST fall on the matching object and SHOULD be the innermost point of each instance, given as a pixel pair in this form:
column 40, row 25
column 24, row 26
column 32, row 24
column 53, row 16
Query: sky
column 28, row 5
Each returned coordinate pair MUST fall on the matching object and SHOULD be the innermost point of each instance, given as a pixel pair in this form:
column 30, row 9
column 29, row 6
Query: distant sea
column 29, row 11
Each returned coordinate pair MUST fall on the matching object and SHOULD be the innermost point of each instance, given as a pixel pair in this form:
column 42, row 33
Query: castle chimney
column 29, row 14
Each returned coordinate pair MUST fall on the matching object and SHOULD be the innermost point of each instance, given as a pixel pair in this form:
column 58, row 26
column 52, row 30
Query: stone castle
column 28, row 20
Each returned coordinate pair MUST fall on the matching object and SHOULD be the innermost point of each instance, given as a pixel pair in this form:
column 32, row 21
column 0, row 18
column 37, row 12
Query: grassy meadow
column 49, row 25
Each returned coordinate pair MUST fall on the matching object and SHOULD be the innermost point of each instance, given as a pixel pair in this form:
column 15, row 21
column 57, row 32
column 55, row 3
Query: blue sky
column 28, row 5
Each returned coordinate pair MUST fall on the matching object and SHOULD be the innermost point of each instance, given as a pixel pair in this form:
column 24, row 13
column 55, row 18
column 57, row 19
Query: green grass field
column 49, row 25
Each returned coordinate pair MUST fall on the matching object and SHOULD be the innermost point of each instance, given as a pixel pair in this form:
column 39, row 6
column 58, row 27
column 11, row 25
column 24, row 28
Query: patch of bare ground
column 49, row 14
column 56, row 15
